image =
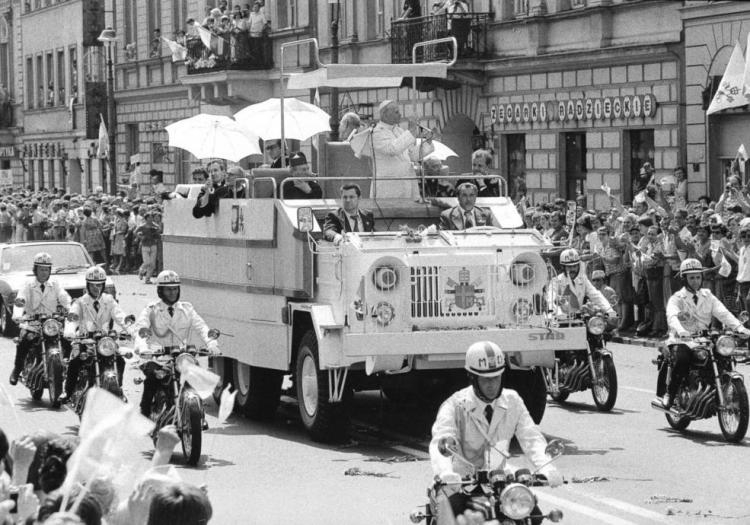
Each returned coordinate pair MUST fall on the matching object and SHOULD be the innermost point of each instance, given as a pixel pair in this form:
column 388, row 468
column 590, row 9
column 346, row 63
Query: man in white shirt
column 395, row 149
column 743, row 265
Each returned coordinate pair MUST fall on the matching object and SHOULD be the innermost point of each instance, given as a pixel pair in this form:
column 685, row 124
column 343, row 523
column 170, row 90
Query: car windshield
column 64, row 257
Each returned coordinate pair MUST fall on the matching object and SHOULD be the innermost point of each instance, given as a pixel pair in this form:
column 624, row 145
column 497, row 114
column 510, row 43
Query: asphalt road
column 624, row 467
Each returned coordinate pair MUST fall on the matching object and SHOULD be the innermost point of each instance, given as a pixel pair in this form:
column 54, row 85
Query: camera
column 14, row 497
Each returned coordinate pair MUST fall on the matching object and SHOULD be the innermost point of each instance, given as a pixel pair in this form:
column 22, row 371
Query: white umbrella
column 441, row 151
column 213, row 136
column 301, row 120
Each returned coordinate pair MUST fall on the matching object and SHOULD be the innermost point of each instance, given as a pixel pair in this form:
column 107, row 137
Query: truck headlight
column 725, row 345
column 51, row 328
column 596, row 325
column 384, row 313
column 522, row 273
column 385, row 278
column 517, row 501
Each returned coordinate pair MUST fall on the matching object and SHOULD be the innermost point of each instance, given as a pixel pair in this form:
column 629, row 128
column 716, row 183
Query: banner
column 729, row 94
column 179, row 52
column 102, row 150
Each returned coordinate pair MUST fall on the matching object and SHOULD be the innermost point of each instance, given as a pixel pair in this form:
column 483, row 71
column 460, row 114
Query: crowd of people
column 33, row 478
column 121, row 231
column 637, row 249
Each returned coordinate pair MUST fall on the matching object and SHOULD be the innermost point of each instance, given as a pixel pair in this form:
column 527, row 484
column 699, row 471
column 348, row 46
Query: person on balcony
column 411, row 9
column 257, row 28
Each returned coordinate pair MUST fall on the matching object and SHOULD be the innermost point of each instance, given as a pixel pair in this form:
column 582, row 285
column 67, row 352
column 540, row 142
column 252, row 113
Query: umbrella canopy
column 213, row 136
column 441, row 151
column 301, row 120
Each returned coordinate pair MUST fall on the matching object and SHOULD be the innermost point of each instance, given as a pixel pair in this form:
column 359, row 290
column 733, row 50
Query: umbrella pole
column 414, row 112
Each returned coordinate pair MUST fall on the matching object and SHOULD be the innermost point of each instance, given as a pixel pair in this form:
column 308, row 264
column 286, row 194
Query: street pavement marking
column 411, row 451
column 636, row 389
column 601, row 517
column 623, row 506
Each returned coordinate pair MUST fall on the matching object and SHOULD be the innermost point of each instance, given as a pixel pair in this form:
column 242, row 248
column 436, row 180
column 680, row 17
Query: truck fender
column 323, row 319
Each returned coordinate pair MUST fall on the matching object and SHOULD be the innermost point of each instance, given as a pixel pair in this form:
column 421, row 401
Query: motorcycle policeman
column 171, row 323
column 482, row 419
column 573, row 285
column 94, row 312
column 689, row 311
column 40, row 295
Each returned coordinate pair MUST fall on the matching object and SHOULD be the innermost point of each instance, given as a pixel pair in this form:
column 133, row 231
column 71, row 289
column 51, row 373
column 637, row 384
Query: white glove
column 337, row 239
column 554, row 478
column 213, row 347
column 449, row 477
column 684, row 333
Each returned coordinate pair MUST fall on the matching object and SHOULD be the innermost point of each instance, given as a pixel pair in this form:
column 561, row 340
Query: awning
column 363, row 76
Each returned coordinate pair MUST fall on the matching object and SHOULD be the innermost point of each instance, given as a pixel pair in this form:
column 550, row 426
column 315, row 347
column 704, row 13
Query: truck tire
column 258, row 390
column 323, row 420
column 531, row 387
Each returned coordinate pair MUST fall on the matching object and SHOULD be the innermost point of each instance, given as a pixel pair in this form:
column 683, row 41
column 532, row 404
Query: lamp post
column 108, row 38
column 334, row 122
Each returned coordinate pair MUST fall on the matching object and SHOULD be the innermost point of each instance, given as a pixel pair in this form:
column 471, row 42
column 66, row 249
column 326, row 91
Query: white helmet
column 689, row 266
column 570, row 257
column 485, row 359
column 96, row 275
column 168, row 278
column 43, row 259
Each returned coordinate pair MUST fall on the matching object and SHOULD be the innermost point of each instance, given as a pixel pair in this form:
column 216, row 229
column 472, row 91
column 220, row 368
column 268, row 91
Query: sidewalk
column 635, row 340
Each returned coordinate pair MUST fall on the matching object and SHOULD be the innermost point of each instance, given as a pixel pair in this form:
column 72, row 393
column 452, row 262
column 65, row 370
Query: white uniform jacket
column 92, row 321
column 683, row 315
column 395, row 150
column 172, row 331
column 461, row 416
column 38, row 302
column 579, row 288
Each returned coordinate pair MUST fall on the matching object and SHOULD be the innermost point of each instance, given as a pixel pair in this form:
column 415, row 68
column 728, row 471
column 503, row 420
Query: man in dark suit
column 301, row 188
column 348, row 218
column 273, row 150
column 466, row 215
column 215, row 189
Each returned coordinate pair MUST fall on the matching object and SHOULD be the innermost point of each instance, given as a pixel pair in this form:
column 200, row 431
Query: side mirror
column 447, row 446
column 555, row 448
column 73, row 317
column 20, row 302
column 144, row 333
column 129, row 319
column 214, row 333
column 305, row 219
column 743, row 317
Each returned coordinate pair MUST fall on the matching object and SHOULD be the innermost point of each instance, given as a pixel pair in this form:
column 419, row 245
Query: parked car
column 69, row 263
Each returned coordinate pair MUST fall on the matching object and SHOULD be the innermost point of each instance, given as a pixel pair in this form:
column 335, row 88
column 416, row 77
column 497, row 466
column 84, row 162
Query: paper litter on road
column 394, row 459
column 356, row 471
column 659, row 498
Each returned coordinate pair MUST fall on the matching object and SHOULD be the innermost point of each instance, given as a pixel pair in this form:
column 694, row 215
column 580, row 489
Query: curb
column 639, row 341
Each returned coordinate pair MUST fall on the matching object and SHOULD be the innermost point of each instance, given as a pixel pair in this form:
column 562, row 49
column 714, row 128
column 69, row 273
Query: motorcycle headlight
column 384, row 313
column 107, row 346
column 51, row 328
column 725, row 345
column 182, row 361
column 596, row 325
column 517, row 501
column 700, row 354
column 385, row 278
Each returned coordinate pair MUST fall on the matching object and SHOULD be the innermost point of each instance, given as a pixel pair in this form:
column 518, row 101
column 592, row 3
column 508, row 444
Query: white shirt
column 41, row 302
column 92, row 321
column 462, row 417
column 174, row 330
column 743, row 265
column 683, row 315
column 578, row 289
column 355, row 219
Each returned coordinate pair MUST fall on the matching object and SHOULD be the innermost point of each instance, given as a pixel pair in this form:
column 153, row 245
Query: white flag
column 102, row 150
column 746, row 80
column 729, row 94
column 210, row 40
column 742, row 153
column 179, row 52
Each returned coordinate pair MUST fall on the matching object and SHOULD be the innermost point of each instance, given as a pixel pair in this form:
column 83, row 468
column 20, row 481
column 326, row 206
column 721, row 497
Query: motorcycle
column 43, row 367
column 175, row 402
column 497, row 495
column 97, row 353
column 592, row 368
column 712, row 386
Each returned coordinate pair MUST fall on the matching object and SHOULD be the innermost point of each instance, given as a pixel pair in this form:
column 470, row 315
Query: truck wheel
column 324, row 421
column 258, row 390
column 531, row 387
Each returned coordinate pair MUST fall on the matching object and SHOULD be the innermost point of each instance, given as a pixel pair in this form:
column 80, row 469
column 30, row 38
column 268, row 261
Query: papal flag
column 730, row 92
column 102, row 150
column 746, row 82
column 179, row 52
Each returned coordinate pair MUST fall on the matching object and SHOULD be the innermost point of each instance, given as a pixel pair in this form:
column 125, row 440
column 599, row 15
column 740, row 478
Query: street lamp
column 108, row 38
column 335, row 17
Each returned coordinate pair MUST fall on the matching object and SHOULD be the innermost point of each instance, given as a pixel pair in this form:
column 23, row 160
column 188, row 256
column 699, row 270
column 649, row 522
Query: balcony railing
column 470, row 30
column 235, row 50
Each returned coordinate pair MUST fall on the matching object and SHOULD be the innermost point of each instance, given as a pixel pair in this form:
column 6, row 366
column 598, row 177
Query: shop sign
column 606, row 108
column 7, row 150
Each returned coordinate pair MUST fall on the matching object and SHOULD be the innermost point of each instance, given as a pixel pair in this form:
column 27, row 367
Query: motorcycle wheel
column 258, row 390
column 192, row 430
column 605, row 393
column 324, row 421
column 55, row 379
column 36, row 395
column 734, row 424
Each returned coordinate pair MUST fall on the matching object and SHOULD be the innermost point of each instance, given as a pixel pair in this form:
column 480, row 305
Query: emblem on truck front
column 465, row 294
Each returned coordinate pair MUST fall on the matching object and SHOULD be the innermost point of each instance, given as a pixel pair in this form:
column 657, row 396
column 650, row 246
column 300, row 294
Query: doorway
column 573, row 173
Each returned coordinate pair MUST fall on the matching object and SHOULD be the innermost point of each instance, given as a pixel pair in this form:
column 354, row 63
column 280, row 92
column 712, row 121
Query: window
column 129, row 20
column 380, row 17
column 287, row 13
column 39, row 83
column 50, row 79
column 179, row 15
column 73, row 65
column 154, row 29
column 640, row 146
column 131, row 139
column 5, row 61
column 32, row 175
column 574, row 167
column 520, row 7
column 61, row 98
column 515, row 145
column 29, row 76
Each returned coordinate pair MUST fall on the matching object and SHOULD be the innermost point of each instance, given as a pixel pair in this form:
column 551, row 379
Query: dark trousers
column 680, row 357
column 22, row 349
column 150, row 386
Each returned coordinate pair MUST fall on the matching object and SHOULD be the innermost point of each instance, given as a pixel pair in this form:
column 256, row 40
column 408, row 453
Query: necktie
column 42, row 286
column 96, row 306
column 695, row 299
column 354, row 221
column 488, row 411
column 468, row 219
column 171, row 311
